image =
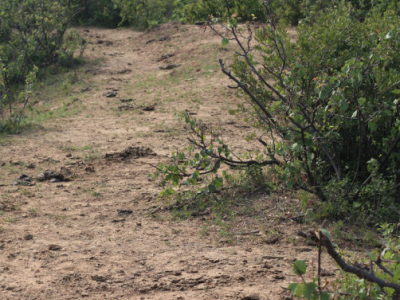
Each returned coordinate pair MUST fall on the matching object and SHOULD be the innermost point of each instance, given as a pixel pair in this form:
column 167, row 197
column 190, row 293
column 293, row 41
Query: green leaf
column 324, row 93
column 293, row 288
column 373, row 126
column 325, row 296
column 325, row 232
column 218, row 182
column 233, row 23
column 175, row 179
column 225, row 41
column 299, row 267
column 170, row 191
column 388, row 255
column 362, row 101
column 354, row 114
column 343, row 105
column 310, row 291
column 396, row 91
column 212, row 188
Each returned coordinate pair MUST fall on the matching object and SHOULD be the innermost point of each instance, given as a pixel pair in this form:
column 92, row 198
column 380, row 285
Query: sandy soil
column 69, row 239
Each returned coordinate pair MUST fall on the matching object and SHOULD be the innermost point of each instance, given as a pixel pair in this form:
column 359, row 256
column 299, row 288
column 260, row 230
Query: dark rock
column 149, row 108
column 54, row 247
column 50, row 175
column 164, row 38
column 108, row 43
column 150, row 41
column 168, row 67
column 272, row 239
column 126, row 100
column 125, row 211
column 24, row 180
column 89, row 169
column 118, row 220
column 126, row 107
column 99, row 278
column 110, row 94
column 165, row 56
column 251, row 297
column 65, row 172
column 28, row 237
column 131, row 152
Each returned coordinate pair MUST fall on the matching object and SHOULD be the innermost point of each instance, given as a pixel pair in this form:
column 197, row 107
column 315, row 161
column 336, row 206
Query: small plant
column 310, row 290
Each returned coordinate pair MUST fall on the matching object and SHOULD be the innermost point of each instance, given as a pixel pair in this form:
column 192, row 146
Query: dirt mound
column 130, row 152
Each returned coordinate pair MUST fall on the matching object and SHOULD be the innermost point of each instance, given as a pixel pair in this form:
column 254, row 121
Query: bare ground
column 68, row 240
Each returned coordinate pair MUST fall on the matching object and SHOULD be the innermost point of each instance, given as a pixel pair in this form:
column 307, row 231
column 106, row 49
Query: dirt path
column 69, row 239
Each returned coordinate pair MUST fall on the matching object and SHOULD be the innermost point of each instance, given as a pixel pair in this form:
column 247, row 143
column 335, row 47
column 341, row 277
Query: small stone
column 118, row 220
column 124, row 211
column 28, row 237
column 272, row 239
column 89, row 169
column 54, row 247
column 110, row 94
column 251, row 297
column 99, row 278
column 168, row 67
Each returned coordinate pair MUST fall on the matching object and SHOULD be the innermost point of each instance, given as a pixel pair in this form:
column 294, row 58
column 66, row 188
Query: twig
column 360, row 273
column 246, row 233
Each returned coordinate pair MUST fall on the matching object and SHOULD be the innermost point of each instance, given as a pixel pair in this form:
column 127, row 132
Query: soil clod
column 131, row 152
column 110, row 94
column 149, row 108
column 54, row 247
column 168, row 67
column 126, row 107
column 51, row 176
column 28, row 237
column 125, row 211
column 24, row 180
column 165, row 56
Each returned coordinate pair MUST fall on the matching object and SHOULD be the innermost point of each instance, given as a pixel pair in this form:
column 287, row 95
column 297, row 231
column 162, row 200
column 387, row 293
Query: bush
column 98, row 12
column 191, row 11
column 328, row 105
column 144, row 13
column 294, row 11
column 33, row 36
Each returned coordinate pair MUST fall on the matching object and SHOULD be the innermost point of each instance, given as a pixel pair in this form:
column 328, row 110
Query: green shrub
column 33, row 36
column 98, row 12
column 328, row 105
column 245, row 10
column 144, row 13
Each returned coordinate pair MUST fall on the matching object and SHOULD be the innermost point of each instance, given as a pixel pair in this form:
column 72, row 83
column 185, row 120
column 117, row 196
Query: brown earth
column 99, row 234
